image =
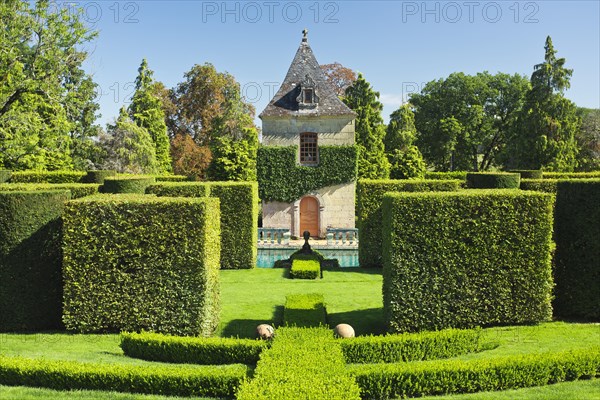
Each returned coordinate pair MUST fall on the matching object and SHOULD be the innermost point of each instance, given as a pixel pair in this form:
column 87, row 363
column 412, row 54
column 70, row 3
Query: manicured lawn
column 352, row 296
column 253, row 297
column 578, row 390
column 25, row 393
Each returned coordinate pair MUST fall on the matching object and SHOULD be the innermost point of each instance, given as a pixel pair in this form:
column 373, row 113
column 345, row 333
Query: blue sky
column 397, row 45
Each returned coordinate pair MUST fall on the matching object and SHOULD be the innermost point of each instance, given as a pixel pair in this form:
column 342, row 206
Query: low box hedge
column 78, row 190
column 304, row 310
column 141, row 263
column 98, row 176
column 577, row 259
column 302, row 363
column 171, row 178
column 411, row 346
column 493, row 180
column 528, row 173
column 191, row 350
column 4, row 175
column 460, row 175
column 571, row 175
column 369, row 195
column 305, row 269
column 401, row 380
column 30, row 259
column 126, row 184
column 466, row 259
column 166, row 380
column 46, row 176
column 540, row 185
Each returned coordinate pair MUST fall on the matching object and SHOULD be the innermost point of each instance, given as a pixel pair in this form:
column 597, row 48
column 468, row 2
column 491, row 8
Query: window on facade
column 308, row 96
column 308, row 148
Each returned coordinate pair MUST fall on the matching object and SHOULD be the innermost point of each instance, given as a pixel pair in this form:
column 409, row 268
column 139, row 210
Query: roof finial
column 305, row 33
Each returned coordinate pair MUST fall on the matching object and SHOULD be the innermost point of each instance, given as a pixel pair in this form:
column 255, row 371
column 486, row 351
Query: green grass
column 578, row 390
column 252, row 297
column 26, row 393
column 353, row 296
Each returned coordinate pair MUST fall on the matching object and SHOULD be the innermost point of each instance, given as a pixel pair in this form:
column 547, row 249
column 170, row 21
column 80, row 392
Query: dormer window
column 308, row 97
column 309, row 154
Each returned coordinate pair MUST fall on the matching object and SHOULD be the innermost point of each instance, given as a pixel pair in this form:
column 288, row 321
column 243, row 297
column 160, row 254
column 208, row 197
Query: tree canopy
column 405, row 158
column 369, row 131
column 47, row 107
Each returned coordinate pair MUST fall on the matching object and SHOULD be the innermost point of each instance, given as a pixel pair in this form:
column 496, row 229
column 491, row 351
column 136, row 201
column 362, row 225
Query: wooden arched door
column 309, row 216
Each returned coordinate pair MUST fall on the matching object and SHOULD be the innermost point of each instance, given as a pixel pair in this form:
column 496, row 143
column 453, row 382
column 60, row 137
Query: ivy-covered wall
column 280, row 178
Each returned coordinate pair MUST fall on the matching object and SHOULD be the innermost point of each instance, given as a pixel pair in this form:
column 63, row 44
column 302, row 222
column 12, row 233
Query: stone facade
column 305, row 103
column 336, row 210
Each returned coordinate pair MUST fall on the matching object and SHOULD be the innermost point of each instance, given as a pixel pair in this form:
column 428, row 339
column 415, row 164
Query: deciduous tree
column 369, row 131
column 339, row 77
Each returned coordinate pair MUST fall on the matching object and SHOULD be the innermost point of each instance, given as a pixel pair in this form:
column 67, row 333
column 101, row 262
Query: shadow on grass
column 246, row 328
column 356, row 270
column 365, row 322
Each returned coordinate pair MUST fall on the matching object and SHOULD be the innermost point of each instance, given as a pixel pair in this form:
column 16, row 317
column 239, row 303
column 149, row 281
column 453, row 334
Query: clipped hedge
column 77, row 190
column 30, row 259
column 181, row 380
column 179, row 189
column 460, row 175
column 191, row 350
column 493, row 180
column 465, row 259
column 540, row 185
column 392, row 381
column 305, row 269
column 571, row 175
column 98, row 176
column 302, row 363
column 171, row 178
column 577, row 235
column 239, row 222
column 239, row 216
column 141, row 263
column 529, row 173
column 304, row 310
column 127, row 184
column 369, row 197
column 4, row 175
column 280, row 178
column 411, row 346
column 46, row 176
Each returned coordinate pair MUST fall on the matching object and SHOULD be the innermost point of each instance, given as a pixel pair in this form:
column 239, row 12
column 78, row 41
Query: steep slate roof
column 284, row 102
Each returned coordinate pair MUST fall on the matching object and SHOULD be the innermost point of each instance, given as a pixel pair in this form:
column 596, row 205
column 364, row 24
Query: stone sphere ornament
column 265, row 331
column 344, row 331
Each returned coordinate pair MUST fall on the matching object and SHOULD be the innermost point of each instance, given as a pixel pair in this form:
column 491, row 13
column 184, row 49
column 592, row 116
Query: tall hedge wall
column 369, row 198
column 4, row 175
column 280, row 178
column 577, row 263
column 30, row 259
column 472, row 258
column 141, row 262
column 493, row 180
column 239, row 223
column 239, row 216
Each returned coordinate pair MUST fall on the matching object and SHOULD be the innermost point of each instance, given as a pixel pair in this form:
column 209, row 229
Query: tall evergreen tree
column 369, row 131
column 147, row 112
column 548, row 122
column 406, row 161
column 128, row 147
